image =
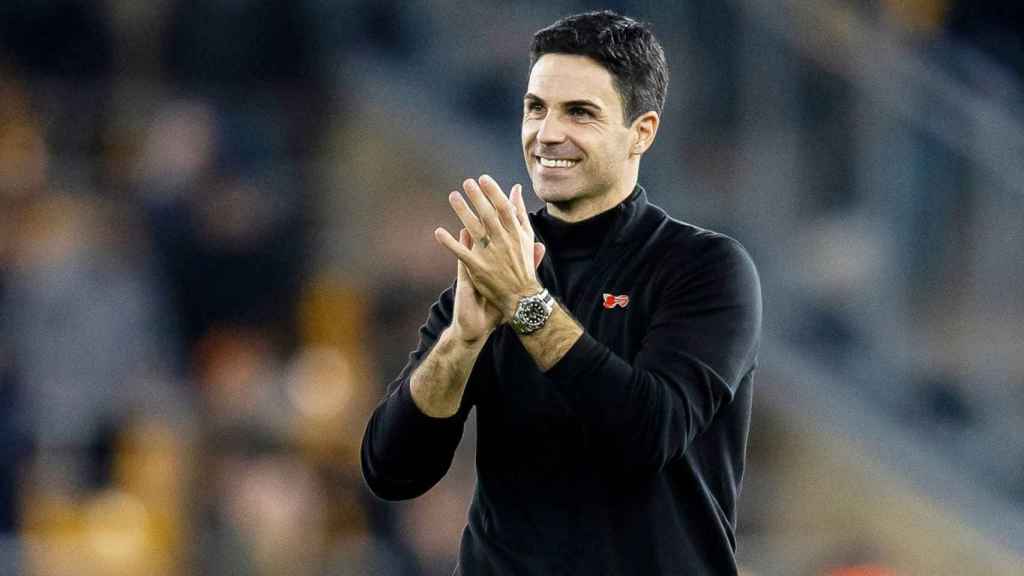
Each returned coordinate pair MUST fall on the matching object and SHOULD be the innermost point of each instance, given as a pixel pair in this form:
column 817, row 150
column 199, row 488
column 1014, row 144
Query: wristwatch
column 532, row 312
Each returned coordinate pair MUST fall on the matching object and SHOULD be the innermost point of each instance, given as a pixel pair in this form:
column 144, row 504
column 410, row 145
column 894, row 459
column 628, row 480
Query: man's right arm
column 438, row 384
column 413, row 433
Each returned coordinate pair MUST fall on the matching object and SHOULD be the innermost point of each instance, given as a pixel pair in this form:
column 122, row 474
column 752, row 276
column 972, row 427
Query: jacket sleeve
column 701, row 342
column 405, row 452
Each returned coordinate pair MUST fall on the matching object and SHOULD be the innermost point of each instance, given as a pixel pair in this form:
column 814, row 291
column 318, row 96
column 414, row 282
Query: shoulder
column 684, row 244
column 692, row 256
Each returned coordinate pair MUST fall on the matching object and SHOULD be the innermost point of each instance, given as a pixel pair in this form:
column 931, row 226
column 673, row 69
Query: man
column 613, row 381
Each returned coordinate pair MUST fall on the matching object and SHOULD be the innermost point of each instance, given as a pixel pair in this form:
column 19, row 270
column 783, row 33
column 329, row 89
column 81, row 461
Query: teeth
column 549, row 163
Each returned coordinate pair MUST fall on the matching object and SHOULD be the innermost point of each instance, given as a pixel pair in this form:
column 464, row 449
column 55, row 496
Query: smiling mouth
column 556, row 162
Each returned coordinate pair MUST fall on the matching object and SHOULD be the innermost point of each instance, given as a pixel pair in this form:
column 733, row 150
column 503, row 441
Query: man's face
column 575, row 143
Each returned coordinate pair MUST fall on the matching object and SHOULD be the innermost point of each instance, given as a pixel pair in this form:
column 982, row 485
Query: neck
column 587, row 207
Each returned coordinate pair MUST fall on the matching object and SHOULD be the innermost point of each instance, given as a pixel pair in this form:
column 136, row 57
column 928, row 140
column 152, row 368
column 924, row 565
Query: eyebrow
column 579, row 102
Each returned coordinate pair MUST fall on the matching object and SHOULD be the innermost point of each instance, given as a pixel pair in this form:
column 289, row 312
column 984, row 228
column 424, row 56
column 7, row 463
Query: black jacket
column 626, row 457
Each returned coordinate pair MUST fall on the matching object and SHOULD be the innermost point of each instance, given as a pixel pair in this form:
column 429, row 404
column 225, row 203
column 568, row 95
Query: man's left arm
column 549, row 345
column 701, row 343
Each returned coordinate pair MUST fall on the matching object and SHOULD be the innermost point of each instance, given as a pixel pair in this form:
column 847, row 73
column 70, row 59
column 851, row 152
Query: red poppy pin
column 612, row 300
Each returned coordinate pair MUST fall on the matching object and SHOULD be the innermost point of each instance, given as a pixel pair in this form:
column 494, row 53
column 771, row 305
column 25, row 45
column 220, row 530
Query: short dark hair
column 625, row 47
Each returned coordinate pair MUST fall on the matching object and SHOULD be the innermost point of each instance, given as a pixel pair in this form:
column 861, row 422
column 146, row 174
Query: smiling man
column 608, row 349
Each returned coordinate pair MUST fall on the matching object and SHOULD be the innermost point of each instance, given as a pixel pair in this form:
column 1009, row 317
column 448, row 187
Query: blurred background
column 216, row 249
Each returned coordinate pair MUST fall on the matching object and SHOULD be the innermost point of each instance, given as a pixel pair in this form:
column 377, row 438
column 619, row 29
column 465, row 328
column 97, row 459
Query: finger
column 538, row 253
column 448, row 241
column 516, row 197
column 506, row 211
column 484, row 209
column 466, row 240
column 469, row 220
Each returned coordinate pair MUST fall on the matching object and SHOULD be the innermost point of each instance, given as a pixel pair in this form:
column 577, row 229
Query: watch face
column 532, row 313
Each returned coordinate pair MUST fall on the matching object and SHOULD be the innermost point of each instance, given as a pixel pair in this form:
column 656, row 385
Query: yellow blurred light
column 320, row 383
column 117, row 530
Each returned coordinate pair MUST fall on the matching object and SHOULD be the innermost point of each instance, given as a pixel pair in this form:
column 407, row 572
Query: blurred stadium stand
column 215, row 250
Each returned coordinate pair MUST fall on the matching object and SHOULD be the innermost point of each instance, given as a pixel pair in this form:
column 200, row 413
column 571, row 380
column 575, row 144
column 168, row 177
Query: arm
column 437, row 385
column 553, row 341
column 405, row 451
column 702, row 342
column 412, row 435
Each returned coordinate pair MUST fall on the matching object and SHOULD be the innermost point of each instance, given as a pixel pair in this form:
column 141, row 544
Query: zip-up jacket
column 626, row 457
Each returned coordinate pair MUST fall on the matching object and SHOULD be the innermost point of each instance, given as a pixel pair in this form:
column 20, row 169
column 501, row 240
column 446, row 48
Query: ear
column 644, row 129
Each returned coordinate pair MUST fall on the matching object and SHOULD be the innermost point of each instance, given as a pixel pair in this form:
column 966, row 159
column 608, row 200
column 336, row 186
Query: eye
column 580, row 112
column 534, row 108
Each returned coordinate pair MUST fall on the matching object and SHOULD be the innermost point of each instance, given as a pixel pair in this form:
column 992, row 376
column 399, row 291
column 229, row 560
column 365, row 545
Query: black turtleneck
column 626, row 456
column 573, row 246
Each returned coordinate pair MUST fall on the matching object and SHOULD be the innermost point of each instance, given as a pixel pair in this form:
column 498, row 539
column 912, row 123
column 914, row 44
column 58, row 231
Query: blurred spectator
column 271, row 517
column 65, row 49
column 227, row 228
column 24, row 159
column 86, row 318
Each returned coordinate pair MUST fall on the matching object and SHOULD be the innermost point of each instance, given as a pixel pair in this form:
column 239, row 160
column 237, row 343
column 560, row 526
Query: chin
column 556, row 191
column 555, row 194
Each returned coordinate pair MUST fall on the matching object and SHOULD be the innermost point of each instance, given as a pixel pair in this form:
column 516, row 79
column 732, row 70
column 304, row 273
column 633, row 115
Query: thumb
column 538, row 253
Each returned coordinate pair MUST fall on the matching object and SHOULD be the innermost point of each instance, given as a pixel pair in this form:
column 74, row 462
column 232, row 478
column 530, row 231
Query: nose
column 550, row 131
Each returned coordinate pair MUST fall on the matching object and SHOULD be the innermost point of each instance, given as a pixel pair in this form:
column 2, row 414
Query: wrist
column 509, row 310
column 532, row 312
column 460, row 336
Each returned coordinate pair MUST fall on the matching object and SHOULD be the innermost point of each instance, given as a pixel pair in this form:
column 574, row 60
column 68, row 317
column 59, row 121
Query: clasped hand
column 496, row 252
